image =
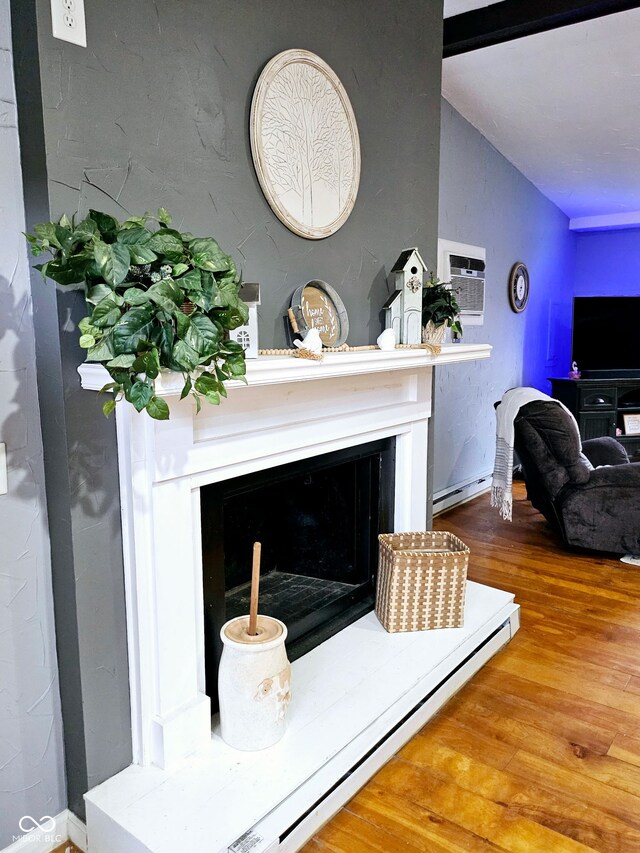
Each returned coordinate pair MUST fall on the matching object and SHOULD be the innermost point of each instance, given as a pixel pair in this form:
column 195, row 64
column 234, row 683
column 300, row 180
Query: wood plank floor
column 541, row 750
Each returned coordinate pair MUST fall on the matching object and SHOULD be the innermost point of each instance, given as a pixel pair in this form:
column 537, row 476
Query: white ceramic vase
column 254, row 683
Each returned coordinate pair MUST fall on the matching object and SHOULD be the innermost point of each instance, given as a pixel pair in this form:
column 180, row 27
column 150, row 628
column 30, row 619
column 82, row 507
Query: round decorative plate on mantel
column 305, row 144
column 519, row 287
column 317, row 305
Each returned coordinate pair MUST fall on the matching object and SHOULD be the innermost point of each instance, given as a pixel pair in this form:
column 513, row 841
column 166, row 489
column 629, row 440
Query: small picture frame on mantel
column 631, row 424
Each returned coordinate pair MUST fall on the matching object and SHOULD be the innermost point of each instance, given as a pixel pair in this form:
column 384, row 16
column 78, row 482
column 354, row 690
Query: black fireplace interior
column 318, row 521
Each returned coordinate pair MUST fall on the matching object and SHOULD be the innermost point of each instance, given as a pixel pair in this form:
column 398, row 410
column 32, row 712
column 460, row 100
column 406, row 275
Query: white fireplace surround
column 291, row 409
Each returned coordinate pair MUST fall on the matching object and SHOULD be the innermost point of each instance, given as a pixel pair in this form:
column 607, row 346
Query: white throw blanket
column 502, row 484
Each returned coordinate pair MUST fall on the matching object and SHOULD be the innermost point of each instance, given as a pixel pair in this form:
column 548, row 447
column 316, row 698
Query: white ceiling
column 563, row 107
column 457, row 7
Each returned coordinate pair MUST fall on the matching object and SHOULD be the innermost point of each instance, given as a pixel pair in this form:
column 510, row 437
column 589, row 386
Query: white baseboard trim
column 45, row 836
column 77, row 831
column 461, row 493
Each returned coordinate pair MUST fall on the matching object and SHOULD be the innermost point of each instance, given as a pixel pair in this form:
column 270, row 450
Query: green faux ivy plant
column 156, row 299
column 439, row 305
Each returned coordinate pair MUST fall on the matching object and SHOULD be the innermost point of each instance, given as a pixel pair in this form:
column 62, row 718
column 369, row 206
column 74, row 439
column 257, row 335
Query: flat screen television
column 606, row 336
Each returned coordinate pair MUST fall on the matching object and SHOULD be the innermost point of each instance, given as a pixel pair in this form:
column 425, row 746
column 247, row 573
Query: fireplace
column 358, row 695
column 318, row 520
column 291, row 411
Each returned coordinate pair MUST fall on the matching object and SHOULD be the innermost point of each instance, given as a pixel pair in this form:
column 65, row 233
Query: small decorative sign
column 631, row 424
column 316, row 305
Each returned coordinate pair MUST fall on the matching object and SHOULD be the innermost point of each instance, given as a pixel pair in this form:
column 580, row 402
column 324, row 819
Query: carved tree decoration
column 305, row 144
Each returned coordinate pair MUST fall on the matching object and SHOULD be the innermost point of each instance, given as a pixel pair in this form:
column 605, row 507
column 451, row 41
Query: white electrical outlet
column 3, row 469
column 67, row 18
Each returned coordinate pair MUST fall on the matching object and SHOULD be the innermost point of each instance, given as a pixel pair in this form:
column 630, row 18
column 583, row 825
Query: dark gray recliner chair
column 588, row 506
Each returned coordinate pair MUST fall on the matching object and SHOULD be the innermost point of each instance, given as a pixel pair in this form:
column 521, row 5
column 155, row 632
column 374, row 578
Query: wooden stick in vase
column 255, row 586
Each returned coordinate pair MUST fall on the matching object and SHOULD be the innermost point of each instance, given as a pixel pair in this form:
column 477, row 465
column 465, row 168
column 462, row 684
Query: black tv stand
column 630, row 373
column 599, row 405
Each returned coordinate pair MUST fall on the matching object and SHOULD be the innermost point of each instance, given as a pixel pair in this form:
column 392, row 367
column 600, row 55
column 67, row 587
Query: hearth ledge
column 358, row 697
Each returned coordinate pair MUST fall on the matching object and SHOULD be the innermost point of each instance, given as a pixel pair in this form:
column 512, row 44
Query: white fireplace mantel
column 276, row 370
column 290, row 409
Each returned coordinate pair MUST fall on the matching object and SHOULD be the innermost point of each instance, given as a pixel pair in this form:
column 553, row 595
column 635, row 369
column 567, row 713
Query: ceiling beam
column 513, row 19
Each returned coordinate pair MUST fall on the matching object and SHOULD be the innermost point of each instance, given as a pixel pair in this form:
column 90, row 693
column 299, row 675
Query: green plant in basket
column 156, row 298
column 439, row 305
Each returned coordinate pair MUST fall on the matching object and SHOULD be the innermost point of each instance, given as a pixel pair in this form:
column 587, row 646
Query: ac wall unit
column 464, row 266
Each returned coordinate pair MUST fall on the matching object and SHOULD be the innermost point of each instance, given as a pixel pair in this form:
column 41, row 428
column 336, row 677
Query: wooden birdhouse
column 403, row 309
column 247, row 335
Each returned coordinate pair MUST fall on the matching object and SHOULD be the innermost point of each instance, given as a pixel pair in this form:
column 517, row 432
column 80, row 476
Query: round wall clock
column 305, row 144
column 519, row 287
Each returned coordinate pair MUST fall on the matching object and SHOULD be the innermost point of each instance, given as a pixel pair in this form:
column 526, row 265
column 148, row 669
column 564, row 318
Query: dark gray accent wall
column 155, row 112
column 81, row 485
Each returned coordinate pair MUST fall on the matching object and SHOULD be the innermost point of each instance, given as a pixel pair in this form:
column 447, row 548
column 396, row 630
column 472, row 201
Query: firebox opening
column 318, row 522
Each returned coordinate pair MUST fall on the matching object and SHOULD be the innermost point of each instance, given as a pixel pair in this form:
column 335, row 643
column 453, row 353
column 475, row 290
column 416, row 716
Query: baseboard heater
column 461, row 492
column 265, row 837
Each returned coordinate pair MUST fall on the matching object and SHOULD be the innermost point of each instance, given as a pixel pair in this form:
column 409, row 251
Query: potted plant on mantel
column 439, row 311
column 156, row 299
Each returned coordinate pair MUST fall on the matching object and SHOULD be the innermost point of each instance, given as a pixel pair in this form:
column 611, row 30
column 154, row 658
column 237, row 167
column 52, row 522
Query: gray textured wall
column 155, row 112
column 81, row 485
column 485, row 201
column 31, row 752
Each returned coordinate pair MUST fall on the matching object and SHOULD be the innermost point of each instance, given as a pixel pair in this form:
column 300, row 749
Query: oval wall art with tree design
column 305, row 144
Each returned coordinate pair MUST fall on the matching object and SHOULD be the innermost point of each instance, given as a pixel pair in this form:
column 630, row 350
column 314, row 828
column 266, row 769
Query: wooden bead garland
column 434, row 349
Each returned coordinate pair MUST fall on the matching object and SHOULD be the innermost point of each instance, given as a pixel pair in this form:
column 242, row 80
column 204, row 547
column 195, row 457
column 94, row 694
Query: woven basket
column 434, row 334
column 421, row 581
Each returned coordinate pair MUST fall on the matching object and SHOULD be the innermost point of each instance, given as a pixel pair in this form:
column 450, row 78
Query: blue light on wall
column 607, row 263
column 547, row 340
